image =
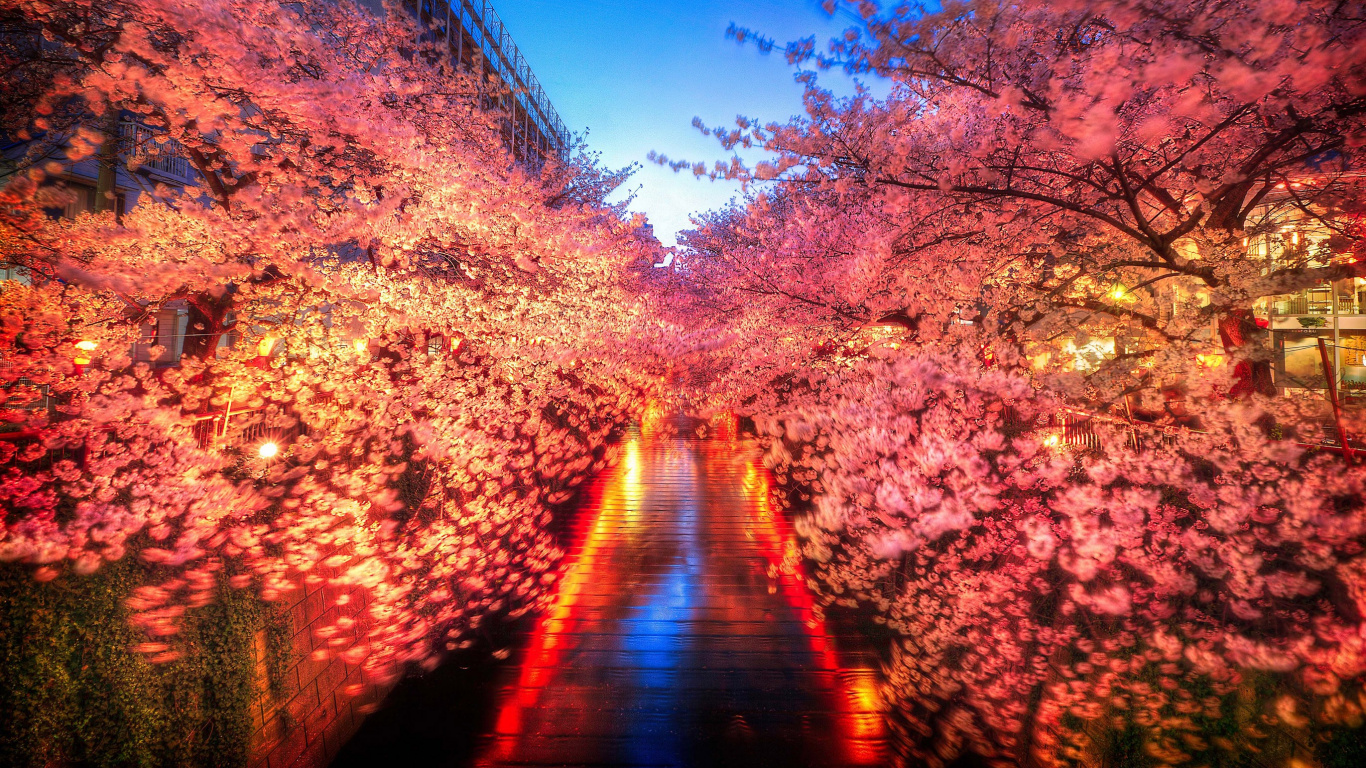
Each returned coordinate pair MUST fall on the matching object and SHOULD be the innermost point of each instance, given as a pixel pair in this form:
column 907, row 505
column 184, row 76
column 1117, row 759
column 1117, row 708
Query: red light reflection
column 683, row 577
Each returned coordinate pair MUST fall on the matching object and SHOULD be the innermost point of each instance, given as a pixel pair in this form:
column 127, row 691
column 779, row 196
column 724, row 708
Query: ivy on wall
column 74, row 693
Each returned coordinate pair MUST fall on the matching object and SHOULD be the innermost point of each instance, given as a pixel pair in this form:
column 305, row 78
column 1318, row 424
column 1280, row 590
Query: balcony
column 1320, row 301
column 1334, row 312
column 150, row 149
column 479, row 41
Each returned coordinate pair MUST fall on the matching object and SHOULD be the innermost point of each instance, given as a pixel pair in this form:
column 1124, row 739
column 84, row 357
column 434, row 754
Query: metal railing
column 144, row 146
column 1087, row 433
column 477, row 20
column 1317, row 303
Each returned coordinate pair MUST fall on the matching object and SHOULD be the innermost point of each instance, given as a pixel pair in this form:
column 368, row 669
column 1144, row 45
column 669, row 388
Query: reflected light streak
column 545, row 652
column 614, row 504
column 860, row 717
column 631, row 491
column 654, row 741
column 725, row 426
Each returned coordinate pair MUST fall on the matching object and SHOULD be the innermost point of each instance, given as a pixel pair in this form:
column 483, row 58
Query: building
column 1334, row 311
column 479, row 42
column 1284, row 233
column 142, row 164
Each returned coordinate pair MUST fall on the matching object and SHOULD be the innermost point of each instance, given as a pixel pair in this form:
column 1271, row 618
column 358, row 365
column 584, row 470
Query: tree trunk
column 206, row 326
column 106, row 196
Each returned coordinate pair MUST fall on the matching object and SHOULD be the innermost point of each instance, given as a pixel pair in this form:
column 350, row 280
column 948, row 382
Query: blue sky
column 636, row 73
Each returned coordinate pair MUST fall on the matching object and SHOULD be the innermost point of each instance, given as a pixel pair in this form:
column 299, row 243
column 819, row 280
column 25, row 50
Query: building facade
column 143, row 163
column 479, row 42
column 1332, row 310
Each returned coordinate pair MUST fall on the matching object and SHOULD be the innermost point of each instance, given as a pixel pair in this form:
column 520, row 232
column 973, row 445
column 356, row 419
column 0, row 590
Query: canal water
column 681, row 634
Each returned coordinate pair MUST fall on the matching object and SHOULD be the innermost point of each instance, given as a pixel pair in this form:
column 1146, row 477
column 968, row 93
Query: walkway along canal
column 682, row 632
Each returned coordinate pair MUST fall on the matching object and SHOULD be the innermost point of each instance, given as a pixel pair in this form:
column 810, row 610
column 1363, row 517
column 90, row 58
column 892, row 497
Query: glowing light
column 1053, row 438
column 85, row 347
column 863, row 690
column 1213, row 360
column 545, row 651
column 858, row 725
column 865, row 704
column 725, row 426
column 264, row 346
column 861, row 723
column 631, row 489
column 361, row 345
column 653, row 419
column 268, row 450
column 1088, row 356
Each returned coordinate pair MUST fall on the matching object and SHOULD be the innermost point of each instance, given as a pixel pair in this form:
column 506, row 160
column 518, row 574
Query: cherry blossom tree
column 1053, row 607
column 1092, row 167
column 427, row 344
column 909, row 303
column 439, row 343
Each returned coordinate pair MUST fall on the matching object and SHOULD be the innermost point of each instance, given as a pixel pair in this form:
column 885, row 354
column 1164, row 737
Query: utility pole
column 106, row 198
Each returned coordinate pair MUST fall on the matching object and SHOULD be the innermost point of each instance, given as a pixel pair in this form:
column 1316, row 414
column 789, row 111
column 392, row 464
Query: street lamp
column 84, row 348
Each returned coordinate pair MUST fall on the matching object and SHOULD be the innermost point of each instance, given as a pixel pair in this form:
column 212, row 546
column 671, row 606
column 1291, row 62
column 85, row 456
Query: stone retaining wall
column 322, row 700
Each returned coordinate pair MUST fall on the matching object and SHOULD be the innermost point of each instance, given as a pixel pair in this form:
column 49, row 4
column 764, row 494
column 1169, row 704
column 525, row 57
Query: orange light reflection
column 544, row 653
column 857, row 712
column 860, row 714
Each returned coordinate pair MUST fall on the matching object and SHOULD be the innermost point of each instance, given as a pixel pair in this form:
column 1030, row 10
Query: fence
column 1065, row 428
column 1078, row 430
column 477, row 37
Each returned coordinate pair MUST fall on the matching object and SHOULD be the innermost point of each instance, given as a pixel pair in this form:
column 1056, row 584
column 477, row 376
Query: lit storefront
column 1334, row 311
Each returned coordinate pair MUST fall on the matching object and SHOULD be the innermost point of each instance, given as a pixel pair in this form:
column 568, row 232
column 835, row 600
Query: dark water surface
column 681, row 634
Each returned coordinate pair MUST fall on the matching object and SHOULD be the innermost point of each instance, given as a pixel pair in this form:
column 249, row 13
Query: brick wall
column 323, row 699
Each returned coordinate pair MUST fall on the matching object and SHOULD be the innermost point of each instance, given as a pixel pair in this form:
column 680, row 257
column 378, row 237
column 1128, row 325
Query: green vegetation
column 74, row 693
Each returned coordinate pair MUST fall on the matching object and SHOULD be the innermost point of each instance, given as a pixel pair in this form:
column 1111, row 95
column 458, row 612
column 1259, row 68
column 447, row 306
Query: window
column 166, row 330
column 1298, row 363
column 83, row 201
column 1351, row 293
column 12, row 272
column 1352, row 348
column 1352, row 358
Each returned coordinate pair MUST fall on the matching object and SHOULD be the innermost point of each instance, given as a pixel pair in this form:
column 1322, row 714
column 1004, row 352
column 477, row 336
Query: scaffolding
column 480, row 42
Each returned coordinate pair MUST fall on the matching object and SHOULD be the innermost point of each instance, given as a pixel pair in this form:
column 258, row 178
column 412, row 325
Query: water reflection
column 682, row 632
